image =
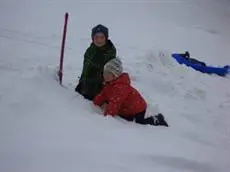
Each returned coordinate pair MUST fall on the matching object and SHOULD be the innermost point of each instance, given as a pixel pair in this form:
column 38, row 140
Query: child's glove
column 104, row 107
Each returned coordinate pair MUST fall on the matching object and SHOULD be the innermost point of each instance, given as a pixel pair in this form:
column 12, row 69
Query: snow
column 45, row 127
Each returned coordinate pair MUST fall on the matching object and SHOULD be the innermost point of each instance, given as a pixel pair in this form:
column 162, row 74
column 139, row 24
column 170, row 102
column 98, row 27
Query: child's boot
column 160, row 120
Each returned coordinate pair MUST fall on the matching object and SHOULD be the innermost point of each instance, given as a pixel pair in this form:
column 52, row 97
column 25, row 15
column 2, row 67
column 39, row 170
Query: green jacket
column 94, row 60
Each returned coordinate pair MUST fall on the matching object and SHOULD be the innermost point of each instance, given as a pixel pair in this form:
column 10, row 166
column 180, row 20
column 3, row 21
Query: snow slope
column 45, row 127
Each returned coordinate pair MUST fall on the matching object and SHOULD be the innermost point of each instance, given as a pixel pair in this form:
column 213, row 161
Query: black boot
column 160, row 120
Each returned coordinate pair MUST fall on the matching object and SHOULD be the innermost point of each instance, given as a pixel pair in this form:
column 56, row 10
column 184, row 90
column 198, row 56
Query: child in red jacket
column 122, row 99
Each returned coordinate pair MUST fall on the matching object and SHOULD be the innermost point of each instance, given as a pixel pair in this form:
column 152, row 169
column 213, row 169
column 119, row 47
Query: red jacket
column 121, row 97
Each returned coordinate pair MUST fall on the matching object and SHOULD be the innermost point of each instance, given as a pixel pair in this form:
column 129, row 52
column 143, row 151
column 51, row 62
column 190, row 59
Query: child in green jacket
column 96, row 56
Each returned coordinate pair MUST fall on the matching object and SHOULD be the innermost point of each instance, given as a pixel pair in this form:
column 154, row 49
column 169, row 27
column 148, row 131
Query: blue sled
column 222, row 71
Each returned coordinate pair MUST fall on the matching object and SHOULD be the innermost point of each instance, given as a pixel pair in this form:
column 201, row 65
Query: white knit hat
column 114, row 66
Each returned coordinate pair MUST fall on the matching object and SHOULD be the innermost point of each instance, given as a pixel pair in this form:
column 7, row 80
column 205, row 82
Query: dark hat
column 100, row 29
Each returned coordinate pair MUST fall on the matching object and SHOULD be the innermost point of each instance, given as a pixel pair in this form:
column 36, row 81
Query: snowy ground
column 48, row 128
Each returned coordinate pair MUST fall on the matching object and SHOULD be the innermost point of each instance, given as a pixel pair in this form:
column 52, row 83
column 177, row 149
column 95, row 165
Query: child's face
column 99, row 39
column 108, row 76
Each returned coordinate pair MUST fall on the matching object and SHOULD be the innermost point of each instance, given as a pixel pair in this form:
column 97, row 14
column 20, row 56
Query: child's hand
column 104, row 106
